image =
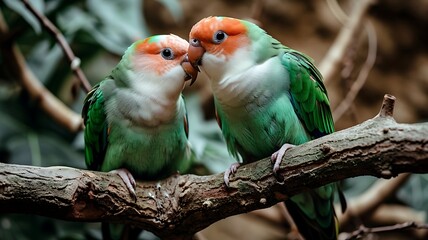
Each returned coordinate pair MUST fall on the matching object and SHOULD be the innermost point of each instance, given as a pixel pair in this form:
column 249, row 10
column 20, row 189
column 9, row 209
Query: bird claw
column 230, row 171
column 128, row 179
column 276, row 158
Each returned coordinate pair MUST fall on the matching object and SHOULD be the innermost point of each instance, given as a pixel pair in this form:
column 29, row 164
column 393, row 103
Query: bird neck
column 254, row 85
column 158, row 109
column 148, row 106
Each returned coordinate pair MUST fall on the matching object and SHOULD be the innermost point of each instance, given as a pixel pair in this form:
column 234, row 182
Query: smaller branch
column 363, row 230
column 390, row 213
column 294, row 232
column 368, row 202
column 73, row 60
column 337, row 11
column 199, row 236
column 362, row 76
column 387, row 109
column 334, row 57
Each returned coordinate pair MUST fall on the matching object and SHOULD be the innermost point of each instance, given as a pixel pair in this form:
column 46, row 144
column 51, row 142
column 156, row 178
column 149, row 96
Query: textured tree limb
column 182, row 205
column 50, row 104
column 53, row 30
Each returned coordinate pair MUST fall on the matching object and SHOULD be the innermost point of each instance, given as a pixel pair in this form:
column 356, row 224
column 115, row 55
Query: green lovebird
column 135, row 119
column 268, row 98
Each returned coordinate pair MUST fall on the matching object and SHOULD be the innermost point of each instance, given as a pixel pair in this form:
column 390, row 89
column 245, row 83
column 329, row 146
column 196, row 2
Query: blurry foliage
column 100, row 30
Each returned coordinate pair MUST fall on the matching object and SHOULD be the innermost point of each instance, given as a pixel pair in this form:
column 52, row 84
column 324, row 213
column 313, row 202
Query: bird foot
column 277, row 156
column 230, row 171
column 128, row 179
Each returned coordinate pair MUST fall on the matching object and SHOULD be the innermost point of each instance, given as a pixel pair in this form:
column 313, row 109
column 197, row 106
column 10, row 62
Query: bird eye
column 219, row 37
column 167, row 54
column 195, row 42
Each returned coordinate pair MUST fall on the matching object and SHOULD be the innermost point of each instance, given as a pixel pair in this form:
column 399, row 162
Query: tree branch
column 370, row 200
column 363, row 230
column 182, row 205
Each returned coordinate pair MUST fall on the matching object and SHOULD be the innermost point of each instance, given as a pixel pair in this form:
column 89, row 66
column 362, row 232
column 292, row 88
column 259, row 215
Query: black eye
column 219, row 37
column 167, row 54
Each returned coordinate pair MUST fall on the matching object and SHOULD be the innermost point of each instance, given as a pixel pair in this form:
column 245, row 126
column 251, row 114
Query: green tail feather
column 311, row 229
column 119, row 231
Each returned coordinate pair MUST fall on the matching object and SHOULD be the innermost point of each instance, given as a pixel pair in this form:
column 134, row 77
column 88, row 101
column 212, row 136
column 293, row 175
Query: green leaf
column 115, row 25
column 73, row 19
column 120, row 23
column 34, row 146
column 44, row 58
column 19, row 7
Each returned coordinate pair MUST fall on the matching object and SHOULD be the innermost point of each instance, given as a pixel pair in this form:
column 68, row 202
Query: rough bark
column 179, row 206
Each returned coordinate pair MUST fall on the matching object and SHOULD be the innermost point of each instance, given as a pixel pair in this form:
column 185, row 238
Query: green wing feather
column 311, row 104
column 308, row 94
column 96, row 128
column 185, row 119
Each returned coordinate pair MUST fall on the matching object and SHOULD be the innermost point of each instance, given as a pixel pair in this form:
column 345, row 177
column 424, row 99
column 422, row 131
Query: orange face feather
column 205, row 29
column 147, row 53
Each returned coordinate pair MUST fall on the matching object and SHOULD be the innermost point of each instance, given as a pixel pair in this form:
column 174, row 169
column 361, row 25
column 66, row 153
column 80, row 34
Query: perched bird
column 136, row 119
column 268, row 98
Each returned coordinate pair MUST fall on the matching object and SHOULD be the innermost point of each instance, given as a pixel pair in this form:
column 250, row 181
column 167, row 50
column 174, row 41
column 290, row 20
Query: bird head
column 160, row 61
column 221, row 45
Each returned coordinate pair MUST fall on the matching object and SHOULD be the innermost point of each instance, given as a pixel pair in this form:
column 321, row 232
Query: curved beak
column 195, row 52
column 191, row 72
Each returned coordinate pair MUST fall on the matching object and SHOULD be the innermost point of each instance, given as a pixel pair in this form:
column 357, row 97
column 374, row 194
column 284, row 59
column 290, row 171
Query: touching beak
column 191, row 72
column 195, row 52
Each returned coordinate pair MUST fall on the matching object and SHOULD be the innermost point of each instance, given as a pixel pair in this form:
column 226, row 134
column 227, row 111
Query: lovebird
column 136, row 119
column 268, row 98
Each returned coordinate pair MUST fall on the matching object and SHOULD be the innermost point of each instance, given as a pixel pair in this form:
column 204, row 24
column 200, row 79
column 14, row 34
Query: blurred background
column 388, row 54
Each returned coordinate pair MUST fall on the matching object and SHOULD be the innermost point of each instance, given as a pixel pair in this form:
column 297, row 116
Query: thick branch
column 182, row 205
